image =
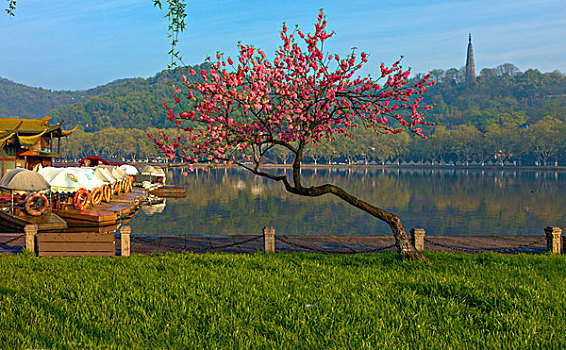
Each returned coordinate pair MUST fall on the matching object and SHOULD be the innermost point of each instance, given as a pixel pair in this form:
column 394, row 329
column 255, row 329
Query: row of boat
column 72, row 199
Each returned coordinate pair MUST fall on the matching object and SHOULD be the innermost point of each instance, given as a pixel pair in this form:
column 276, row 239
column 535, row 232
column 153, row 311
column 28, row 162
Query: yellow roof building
column 25, row 143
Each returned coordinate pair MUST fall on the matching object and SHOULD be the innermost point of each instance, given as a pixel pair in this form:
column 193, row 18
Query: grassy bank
column 283, row 301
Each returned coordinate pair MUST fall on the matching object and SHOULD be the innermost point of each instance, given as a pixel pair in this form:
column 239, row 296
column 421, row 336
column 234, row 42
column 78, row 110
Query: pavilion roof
column 32, row 127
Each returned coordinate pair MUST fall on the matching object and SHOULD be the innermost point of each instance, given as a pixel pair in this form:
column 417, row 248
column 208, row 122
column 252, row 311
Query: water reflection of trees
column 229, row 201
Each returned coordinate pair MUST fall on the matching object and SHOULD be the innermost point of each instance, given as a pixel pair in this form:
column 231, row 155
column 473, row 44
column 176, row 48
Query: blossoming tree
column 239, row 111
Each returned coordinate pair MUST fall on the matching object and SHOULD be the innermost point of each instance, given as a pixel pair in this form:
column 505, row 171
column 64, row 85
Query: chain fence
column 5, row 246
column 147, row 244
column 201, row 244
column 349, row 250
column 187, row 243
column 314, row 244
column 521, row 248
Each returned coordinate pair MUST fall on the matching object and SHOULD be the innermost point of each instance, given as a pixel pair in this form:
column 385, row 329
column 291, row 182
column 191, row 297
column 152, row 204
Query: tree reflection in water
column 443, row 201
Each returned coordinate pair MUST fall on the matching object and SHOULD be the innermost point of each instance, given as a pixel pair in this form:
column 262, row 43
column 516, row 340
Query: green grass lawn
column 283, row 301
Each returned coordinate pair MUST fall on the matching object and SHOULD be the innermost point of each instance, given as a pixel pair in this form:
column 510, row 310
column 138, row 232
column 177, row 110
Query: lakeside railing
column 269, row 241
column 124, row 243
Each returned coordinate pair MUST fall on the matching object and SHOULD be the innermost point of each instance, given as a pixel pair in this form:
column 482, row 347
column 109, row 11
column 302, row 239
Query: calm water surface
column 443, row 201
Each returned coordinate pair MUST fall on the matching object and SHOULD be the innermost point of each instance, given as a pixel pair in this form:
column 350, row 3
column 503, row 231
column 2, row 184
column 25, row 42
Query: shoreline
column 353, row 166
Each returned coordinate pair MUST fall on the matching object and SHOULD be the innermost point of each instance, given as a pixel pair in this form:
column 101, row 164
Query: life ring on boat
column 163, row 180
column 117, row 187
column 36, row 204
column 127, row 185
column 97, row 195
column 107, row 193
column 82, row 199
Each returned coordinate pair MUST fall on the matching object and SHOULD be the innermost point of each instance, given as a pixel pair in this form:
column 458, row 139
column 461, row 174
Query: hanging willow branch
column 11, row 7
column 176, row 16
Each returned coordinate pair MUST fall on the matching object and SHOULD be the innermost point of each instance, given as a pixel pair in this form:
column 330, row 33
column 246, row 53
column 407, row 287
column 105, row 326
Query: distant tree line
column 508, row 141
column 111, row 144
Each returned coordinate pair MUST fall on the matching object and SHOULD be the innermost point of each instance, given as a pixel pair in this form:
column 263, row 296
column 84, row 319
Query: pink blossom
column 297, row 96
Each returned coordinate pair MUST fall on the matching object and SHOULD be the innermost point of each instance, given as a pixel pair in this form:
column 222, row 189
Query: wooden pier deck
column 16, row 222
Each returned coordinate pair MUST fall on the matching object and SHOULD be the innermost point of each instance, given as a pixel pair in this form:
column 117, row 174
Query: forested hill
column 128, row 103
column 124, row 103
column 25, row 101
column 501, row 92
column 21, row 100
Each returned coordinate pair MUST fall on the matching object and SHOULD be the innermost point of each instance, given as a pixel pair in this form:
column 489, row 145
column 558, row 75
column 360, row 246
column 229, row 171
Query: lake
column 459, row 202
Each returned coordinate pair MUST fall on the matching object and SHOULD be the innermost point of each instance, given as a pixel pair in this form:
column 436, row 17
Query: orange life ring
column 36, row 204
column 81, row 199
column 128, row 185
column 116, row 187
column 107, row 193
column 97, row 196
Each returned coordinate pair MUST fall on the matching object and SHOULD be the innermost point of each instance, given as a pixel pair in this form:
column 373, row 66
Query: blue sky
column 80, row 44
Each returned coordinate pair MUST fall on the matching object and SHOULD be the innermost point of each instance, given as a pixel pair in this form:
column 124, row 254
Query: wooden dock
column 89, row 217
column 17, row 221
column 170, row 192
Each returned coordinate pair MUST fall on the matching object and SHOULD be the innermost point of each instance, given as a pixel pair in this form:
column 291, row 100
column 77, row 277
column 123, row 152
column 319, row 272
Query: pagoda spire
column 470, row 65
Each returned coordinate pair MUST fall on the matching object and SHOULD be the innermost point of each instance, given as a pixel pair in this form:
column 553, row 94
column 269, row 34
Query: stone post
column 31, row 231
column 553, row 234
column 417, row 238
column 269, row 239
column 125, row 232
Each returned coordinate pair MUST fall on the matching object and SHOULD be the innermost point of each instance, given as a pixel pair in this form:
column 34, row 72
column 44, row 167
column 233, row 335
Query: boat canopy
column 113, row 171
column 88, row 178
column 119, row 173
column 149, row 170
column 70, row 179
column 104, row 175
column 130, row 169
column 49, row 172
column 62, row 179
column 22, row 181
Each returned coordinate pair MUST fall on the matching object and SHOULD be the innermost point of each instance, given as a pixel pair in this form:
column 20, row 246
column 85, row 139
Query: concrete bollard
column 417, row 238
column 31, row 231
column 553, row 234
column 269, row 239
column 125, row 232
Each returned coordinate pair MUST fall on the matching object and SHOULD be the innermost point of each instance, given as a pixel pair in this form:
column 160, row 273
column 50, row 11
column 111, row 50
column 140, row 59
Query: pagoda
column 470, row 65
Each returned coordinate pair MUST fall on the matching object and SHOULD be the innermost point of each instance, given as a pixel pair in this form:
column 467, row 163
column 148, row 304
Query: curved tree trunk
column 404, row 246
column 402, row 242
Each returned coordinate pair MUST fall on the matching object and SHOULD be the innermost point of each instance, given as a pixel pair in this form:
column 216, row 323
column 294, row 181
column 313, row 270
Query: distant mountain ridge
column 21, row 100
column 137, row 102
column 124, row 103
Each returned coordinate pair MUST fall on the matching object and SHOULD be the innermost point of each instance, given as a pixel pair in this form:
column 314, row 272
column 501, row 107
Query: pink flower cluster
column 300, row 97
